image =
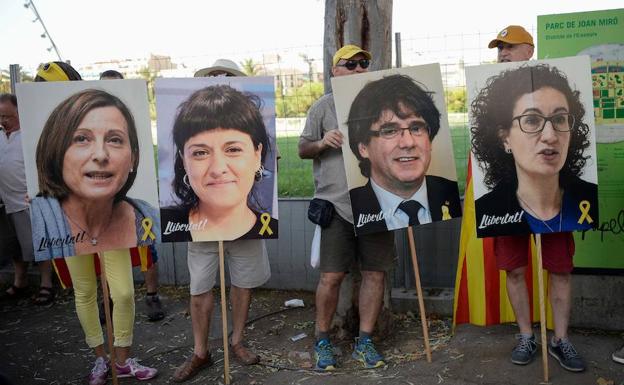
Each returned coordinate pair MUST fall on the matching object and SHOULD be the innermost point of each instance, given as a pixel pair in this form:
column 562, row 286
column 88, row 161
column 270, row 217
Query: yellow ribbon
column 146, row 223
column 584, row 207
column 265, row 218
column 445, row 213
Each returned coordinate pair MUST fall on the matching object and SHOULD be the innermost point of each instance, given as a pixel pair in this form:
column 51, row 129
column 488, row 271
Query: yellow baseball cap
column 348, row 51
column 513, row 34
column 52, row 72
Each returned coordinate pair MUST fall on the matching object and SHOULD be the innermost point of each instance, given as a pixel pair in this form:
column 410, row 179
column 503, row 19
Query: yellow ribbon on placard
column 147, row 223
column 445, row 212
column 265, row 218
column 584, row 207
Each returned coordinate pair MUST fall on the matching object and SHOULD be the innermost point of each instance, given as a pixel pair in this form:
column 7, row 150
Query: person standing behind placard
column 121, row 285
column 249, row 268
column 321, row 141
column 514, row 43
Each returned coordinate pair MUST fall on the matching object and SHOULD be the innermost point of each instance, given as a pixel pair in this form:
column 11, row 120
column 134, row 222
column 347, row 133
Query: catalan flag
column 480, row 288
column 140, row 256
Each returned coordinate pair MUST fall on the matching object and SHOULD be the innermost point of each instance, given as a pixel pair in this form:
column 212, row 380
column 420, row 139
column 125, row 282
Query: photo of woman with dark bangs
column 221, row 144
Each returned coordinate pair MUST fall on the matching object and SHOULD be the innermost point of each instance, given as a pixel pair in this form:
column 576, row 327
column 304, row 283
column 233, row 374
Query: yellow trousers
column 118, row 267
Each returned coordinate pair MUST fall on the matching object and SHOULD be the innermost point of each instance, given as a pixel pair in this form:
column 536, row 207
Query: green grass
column 295, row 175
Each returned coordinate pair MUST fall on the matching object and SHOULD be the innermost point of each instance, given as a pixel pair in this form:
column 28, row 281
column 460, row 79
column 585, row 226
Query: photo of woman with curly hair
column 532, row 139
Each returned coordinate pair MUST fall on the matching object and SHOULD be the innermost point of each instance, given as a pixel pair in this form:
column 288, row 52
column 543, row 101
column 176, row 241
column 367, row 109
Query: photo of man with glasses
column 392, row 123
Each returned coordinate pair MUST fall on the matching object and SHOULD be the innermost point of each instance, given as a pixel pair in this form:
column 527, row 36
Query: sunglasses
column 351, row 64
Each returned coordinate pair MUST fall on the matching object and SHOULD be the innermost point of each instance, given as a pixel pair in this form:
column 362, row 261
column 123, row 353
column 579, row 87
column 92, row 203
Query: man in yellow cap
column 321, row 141
column 514, row 43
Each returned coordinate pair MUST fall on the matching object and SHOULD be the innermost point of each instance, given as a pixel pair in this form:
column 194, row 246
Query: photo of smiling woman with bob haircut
column 87, row 159
column 221, row 146
column 532, row 138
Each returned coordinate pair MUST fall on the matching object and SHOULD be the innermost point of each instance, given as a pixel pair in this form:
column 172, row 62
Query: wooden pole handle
column 226, row 355
column 421, row 301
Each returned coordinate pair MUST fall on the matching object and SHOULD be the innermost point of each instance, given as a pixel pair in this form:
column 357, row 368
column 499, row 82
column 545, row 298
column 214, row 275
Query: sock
column 527, row 335
column 322, row 336
column 154, row 294
column 364, row 334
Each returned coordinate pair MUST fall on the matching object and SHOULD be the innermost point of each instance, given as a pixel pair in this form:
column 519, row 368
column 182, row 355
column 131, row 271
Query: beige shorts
column 246, row 259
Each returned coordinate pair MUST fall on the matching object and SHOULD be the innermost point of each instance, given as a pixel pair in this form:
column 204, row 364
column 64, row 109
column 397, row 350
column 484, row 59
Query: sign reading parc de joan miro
column 397, row 148
column 217, row 158
column 88, row 155
column 533, row 147
column 599, row 34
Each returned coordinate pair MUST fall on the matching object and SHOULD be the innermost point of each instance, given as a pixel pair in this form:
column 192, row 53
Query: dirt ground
column 46, row 346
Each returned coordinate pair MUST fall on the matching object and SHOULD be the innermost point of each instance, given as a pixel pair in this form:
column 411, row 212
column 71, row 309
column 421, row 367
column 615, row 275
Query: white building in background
column 130, row 68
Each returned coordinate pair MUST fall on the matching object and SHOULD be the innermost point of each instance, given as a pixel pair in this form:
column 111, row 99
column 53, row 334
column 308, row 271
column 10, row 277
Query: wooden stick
column 226, row 356
column 421, row 300
column 542, row 304
column 107, row 314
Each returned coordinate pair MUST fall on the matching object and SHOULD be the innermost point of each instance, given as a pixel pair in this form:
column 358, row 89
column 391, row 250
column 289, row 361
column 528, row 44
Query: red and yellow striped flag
column 480, row 289
column 140, row 256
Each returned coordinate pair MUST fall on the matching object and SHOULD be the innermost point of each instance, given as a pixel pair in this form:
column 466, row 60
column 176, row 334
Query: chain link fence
column 299, row 82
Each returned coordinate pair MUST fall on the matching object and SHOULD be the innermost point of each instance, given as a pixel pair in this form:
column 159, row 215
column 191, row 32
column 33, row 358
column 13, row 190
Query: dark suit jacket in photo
column 499, row 213
column 367, row 215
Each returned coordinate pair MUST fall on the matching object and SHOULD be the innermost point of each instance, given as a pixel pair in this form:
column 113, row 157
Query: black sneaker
column 525, row 350
column 567, row 356
column 154, row 308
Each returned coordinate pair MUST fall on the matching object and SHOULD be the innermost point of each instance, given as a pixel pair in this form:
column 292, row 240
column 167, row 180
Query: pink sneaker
column 133, row 369
column 99, row 373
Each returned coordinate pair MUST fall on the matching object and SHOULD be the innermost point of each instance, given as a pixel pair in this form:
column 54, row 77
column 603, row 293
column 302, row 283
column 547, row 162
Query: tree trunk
column 365, row 23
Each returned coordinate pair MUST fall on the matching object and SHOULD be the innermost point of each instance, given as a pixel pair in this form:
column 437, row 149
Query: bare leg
column 45, row 270
column 151, row 279
column 201, row 312
column 99, row 351
column 240, row 298
column 122, row 354
column 560, row 299
column 19, row 279
column 327, row 299
column 519, row 298
column 371, row 296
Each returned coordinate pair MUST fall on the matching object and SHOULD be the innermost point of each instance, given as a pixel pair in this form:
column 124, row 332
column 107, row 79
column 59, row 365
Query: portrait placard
column 397, row 148
column 88, row 155
column 217, row 158
column 533, row 146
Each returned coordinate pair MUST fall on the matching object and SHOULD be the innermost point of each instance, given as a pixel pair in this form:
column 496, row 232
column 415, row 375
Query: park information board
column 599, row 34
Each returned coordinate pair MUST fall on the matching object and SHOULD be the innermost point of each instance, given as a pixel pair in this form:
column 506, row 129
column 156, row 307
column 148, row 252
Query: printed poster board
column 533, row 147
column 88, row 155
column 216, row 158
column 396, row 148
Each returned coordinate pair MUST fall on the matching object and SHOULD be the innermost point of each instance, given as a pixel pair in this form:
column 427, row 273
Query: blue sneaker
column 366, row 353
column 324, row 355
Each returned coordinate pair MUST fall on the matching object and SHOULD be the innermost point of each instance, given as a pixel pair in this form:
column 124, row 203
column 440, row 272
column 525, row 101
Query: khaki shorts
column 247, row 262
column 340, row 248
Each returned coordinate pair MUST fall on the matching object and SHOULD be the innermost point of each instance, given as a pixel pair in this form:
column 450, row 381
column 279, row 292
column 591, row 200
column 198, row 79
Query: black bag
column 321, row 212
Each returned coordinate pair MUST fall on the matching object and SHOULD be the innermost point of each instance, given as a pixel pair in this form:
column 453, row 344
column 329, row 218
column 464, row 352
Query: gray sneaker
column 567, row 356
column 618, row 356
column 525, row 350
